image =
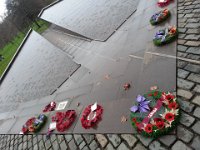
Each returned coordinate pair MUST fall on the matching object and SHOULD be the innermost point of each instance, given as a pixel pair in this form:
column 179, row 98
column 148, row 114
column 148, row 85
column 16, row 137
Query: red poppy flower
column 169, row 117
column 150, row 94
column 155, row 93
column 169, row 97
column 157, row 119
column 134, row 120
column 149, row 128
column 173, row 105
column 160, row 124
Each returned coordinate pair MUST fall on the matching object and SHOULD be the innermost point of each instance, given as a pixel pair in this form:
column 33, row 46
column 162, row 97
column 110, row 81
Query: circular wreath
column 34, row 124
column 50, row 107
column 91, row 118
column 163, row 3
column 64, row 120
column 165, row 36
column 160, row 17
column 155, row 114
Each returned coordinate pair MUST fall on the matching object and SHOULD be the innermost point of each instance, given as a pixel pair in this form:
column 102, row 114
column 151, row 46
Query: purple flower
column 143, row 105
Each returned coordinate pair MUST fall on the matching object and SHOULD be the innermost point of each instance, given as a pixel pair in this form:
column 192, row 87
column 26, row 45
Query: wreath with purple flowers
column 155, row 114
column 165, row 36
column 160, row 17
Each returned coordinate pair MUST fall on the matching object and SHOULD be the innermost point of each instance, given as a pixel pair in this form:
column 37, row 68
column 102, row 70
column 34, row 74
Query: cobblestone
column 93, row 145
column 102, row 140
column 186, row 119
column 88, row 138
column 195, row 143
column 197, row 88
column 182, row 48
column 197, row 112
column 115, row 139
column 145, row 141
column 193, row 68
column 194, row 50
column 194, row 77
column 184, row 93
column 156, row 145
column 186, row 106
column 181, row 146
column 109, row 147
column 196, row 100
column 184, row 134
column 185, row 84
column 196, row 127
column 130, row 139
column 168, row 140
column 122, row 146
column 139, row 147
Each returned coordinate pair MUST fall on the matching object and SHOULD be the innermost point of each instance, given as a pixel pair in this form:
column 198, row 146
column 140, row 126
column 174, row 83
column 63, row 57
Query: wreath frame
column 156, row 132
column 169, row 38
column 30, row 127
column 64, row 120
column 93, row 122
column 162, row 19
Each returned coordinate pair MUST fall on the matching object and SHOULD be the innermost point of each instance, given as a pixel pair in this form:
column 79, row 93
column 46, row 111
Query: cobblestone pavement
column 187, row 134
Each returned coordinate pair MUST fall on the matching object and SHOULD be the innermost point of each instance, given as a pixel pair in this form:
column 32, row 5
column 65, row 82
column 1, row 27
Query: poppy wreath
column 34, row 124
column 50, row 107
column 160, row 17
column 88, row 122
column 165, row 36
column 156, row 113
column 64, row 120
column 163, row 3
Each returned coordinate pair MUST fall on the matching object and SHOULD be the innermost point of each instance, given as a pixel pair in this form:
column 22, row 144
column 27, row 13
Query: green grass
column 9, row 50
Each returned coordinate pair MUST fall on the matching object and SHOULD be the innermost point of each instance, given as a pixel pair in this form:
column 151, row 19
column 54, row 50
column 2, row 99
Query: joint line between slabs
column 180, row 58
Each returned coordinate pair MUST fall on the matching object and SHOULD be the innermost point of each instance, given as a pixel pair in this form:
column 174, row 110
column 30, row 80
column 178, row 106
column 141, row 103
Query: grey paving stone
column 182, row 54
column 192, row 43
column 78, row 138
column 179, row 145
column 122, row 146
column 192, row 31
column 88, row 138
column 193, row 56
column 115, row 139
column 63, row 145
column 93, row 145
column 55, row 145
column 196, row 127
column 192, row 25
column 101, row 139
column 181, row 41
column 139, row 146
column 196, row 100
column 182, row 30
column 72, row 144
column 41, row 145
column 194, row 77
column 194, row 50
column 192, row 37
column 35, row 147
column 86, row 148
column 186, row 106
column 197, row 112
column 193, row 68
column 182, row 48
column 68, row 137
column 184, row 93
column 181, row 64
column 168, row 140
column 156, row 145
column 195, row 143
column 185, row 84
column 109, row 147
column 186, row 119
column 82, row 145
column 197, row 88
column 184, row 134
column 53, row 137
column 144, row 140
column 182, row 73
column 47, row 144
column 130, row 139
column 60, row 138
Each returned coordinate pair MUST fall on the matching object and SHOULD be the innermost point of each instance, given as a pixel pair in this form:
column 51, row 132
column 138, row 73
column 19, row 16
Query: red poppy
column 157, row 119
column 134, row 120
column 169, row 97
column 155, row 93
column 149, row 128
column 160, row 124
column 150, row 94
column 169, row 117
column 173, row 105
